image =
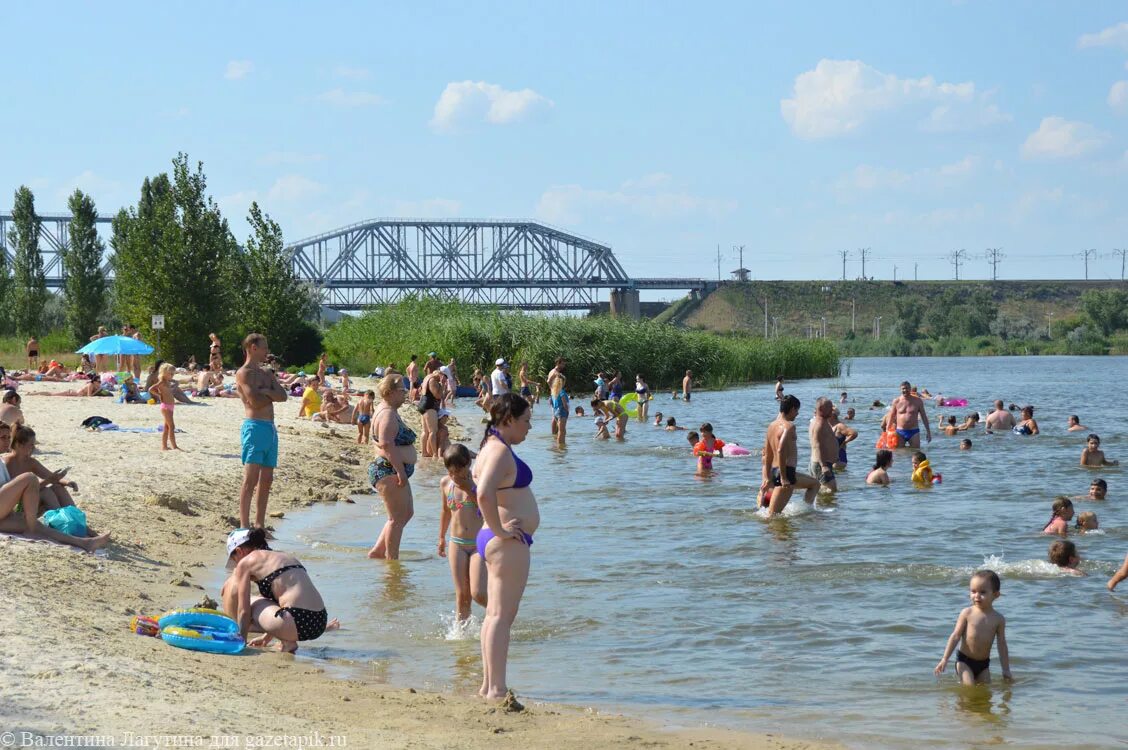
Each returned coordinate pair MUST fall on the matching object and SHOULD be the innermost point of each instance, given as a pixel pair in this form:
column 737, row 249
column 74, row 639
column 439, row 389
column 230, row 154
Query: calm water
column 658, row 593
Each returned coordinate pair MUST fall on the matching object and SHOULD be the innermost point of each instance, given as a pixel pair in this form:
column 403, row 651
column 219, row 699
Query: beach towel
column 8, row 537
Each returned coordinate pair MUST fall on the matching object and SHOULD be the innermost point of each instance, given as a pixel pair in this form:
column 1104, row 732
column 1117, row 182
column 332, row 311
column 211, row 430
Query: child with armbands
column 922, row 471
column 708, row 448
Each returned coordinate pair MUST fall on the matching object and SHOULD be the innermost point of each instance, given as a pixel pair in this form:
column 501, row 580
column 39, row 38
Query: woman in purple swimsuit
column 511, row 516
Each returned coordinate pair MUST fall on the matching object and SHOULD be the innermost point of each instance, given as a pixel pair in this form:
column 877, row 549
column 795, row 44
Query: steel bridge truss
column 54, row 238
column 506, row 263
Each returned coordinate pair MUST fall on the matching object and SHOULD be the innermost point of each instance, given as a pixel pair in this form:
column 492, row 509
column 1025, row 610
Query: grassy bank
column 477, row 337
column 54, row 345
column 982, row 346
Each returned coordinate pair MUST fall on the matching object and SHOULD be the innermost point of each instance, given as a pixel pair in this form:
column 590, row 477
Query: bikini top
column 524, row 474
column 265, row 586
column 405, row 435
column 457, row 505
column 1022, row 429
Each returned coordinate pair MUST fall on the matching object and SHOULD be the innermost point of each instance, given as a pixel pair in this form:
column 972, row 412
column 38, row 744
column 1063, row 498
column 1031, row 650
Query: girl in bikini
column 459, row 502
column 162, row 393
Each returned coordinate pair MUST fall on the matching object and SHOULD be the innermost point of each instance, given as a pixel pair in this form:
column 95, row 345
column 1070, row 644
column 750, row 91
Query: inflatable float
column 629, row 403
column 199, row 629
column 732, row 449
column 953, row 402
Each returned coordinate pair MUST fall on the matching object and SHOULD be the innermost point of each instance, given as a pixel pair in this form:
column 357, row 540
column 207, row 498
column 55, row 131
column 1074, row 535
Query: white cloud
column 432, row 208
column 653, row 197
column 869, row 178
column 342, row 98
column 95, row 186
column 468, row 101
column 839, row 97
column 1058, row 138
column 237, row 69
column 1118, row 96
column 276, row 158
column 292, row 188
column 236, row 205
column 1113, row 36
column 348, row 71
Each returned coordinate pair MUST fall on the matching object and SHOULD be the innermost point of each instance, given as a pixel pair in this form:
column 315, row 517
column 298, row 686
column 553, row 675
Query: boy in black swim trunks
column 976, row 628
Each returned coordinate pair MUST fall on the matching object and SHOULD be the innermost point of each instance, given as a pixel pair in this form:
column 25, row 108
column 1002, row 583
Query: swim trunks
column 975, row 665
column 363, row 418
column 776, row 478
column 559, row 405
column 687, row 396
column 260, row 443
column 907, row 435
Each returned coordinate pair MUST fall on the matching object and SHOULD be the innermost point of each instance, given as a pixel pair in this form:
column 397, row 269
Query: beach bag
column 92, row 423
column 69, row 520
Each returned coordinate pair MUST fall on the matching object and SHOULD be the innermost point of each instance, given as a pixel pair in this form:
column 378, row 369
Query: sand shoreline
column 73, row 668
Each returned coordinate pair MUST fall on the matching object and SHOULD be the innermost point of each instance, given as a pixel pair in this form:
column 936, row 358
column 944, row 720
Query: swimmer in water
column 1026, row 425
column 922, row 470
column 658, row 419
column 692, row 437
column 1098, row 490
column 1075, row 425
column 1064, row 554
column 672, row 425
column 779, row 387
column 601, row 432
column 965, row 445
column 780, row 457
column 977, row 627
column 580, row 411
column 880, row 473
column 1092, row 456
column 1061, row 515
column 708, row 448
column 1087, row 521
column 850, row 414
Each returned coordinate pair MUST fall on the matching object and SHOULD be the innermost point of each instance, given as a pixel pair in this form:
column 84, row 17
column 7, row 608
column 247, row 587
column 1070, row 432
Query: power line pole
column 739, row 250
column 915, row 271
column 956, row 258
column 765, row 316
column 864, row 252
column 1087, row 254
column 845, row 254
column 718, row 262
column 894, row 272
column 853, row 314
column 994, row 255
column 1121, row 252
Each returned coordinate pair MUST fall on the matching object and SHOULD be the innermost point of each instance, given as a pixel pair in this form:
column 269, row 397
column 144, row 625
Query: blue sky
column 664, row 130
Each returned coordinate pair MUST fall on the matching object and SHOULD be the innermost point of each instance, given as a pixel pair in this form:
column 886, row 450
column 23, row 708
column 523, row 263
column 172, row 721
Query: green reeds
column 476, row 337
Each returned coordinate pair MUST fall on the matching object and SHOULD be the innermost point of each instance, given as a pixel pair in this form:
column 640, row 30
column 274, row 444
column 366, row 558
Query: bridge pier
column 625, row 304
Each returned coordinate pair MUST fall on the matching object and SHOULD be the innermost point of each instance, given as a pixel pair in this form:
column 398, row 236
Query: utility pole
column 718, row 262
column 994, row 255
column 955, row 258
column 864, row 252
column 845, row 254
column 894, row 272
column 853, row 314
column 1087, row 254
column 765, row 315
column 915, row 271
column 739, row 250
column 1121, row 252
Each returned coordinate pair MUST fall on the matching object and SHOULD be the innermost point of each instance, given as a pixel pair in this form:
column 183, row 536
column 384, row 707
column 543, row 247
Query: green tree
column 910, row 314
column 173, row 256
column 5, row 290
column 940, row 314
column 1107, row 309
column 84, row 292
column 28, row 293
column 274, row 302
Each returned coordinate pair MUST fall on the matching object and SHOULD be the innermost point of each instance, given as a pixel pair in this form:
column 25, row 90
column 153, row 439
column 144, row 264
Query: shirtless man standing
column 687, row 385
column 1000, row 420
column 781, row 457
column 260, row 390
column 908, row 410
column 824, row 445
column 413, row 380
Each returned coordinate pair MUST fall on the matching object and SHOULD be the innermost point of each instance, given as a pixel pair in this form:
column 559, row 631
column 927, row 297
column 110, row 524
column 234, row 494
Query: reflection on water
column 654, row 590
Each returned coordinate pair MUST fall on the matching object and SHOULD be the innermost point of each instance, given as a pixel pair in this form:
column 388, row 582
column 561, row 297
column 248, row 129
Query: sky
column 665, row 130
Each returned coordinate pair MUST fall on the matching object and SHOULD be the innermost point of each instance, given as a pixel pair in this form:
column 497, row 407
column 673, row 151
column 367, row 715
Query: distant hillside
column 794, row 307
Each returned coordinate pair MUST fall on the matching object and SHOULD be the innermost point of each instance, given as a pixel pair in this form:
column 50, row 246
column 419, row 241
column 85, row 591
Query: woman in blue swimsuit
column 393, row 466
column 511, row 516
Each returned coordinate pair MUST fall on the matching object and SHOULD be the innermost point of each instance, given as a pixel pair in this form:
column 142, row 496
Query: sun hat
column 500, row 361
column 234, row 539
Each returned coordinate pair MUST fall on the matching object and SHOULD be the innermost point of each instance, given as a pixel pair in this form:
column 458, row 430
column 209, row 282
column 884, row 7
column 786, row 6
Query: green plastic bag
column 69, row 520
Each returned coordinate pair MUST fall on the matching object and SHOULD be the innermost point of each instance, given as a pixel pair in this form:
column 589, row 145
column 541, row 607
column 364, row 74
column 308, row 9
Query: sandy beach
column 72, row 667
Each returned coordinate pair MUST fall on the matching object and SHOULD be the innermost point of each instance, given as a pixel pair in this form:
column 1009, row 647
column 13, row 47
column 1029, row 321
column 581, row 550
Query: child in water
column 362, row 417
column 1087, row 521
column 672, row 425
column 601, row 432
column 1060, row 517
column 965, row 445
column 1092, row 456
column 709, row 447
column 162, row 394
column 922, row 470
column 880, row 474
column 579, row 411
column 658, row 419
column 977, row 627
column 1064, row 554
column 692, row 437
column 459, row 502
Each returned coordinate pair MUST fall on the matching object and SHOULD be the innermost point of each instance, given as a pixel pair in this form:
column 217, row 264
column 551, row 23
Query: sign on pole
column 158, row 322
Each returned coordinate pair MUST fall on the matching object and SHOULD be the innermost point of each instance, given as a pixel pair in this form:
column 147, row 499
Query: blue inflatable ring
column 202, row 638
column 198, row 616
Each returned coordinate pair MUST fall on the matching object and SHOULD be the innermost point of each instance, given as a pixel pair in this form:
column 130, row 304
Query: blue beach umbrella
column 116, row 345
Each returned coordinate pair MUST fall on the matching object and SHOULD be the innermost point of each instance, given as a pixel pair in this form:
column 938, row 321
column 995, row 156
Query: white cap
column 443, row 413
column 234, row 539
column 444, row 370
column 600, row 421
column 500, row 362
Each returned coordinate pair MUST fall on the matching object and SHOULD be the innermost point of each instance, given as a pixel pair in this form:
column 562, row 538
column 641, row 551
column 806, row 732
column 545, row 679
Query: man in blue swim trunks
column 260, row 390
column 908, row 410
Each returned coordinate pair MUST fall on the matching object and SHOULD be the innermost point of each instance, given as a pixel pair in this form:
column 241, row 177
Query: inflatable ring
column 732, row 449
column 203, row 638
column 194, row 617
column 629, row 402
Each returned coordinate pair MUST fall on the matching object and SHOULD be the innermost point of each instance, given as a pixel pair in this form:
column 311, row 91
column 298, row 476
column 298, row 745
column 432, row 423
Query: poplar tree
column 28, row 293
column 84, row 289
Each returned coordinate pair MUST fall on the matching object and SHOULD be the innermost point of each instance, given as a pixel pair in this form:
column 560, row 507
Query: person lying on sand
column 92, row 388
column 289, row 607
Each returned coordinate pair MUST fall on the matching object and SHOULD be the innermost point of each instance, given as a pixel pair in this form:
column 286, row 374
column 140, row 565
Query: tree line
column 173, row 255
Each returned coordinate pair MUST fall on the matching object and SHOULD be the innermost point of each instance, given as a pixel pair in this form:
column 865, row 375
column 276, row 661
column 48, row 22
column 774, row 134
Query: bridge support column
column 625, row 304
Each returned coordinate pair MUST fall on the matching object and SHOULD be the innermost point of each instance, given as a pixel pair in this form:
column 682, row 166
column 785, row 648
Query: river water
column 658, row 593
